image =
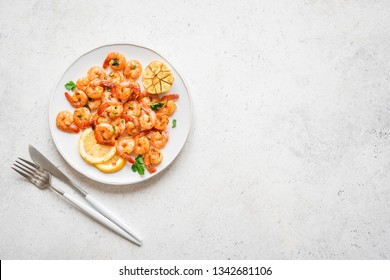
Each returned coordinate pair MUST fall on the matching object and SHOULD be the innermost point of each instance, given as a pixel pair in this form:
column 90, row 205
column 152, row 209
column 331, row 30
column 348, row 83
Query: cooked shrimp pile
column 111, row 101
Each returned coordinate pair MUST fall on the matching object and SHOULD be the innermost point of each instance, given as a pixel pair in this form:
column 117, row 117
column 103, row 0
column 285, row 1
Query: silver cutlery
column 43, row 162
column 43, row 179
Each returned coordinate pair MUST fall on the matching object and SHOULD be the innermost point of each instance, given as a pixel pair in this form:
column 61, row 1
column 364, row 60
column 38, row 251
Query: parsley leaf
column 173, row 123
column 133, row 66
column 70, row 85
column 139, row 165
column 156, row 106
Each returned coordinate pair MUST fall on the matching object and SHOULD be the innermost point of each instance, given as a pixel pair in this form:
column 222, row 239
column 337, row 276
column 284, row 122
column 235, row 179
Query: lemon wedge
column 91, row 151
column 114, row 164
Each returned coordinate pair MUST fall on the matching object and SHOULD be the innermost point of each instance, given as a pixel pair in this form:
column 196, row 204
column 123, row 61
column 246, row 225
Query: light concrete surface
column 289, row 152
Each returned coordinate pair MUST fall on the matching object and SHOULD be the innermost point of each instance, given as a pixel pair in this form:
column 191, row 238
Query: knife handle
column 91, row 212
column 103, row 210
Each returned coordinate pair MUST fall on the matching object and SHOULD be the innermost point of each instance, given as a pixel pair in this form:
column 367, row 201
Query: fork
column 43, row 179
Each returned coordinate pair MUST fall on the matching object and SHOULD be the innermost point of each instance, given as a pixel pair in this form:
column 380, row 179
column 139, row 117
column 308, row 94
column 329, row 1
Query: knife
column 43, row 162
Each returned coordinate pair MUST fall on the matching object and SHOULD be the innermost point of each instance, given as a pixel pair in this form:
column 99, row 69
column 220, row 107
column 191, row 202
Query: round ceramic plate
column 67, row 143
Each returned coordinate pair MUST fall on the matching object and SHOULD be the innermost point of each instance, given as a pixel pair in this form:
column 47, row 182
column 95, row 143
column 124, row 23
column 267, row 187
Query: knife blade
column 43, row 162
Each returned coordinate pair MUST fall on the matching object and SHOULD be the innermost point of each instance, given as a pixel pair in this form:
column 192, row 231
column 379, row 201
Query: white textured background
column 289, row 154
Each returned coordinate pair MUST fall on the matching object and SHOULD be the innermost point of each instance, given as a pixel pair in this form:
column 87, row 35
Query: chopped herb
column 138, row 165
column 133, row 66
column 130, row 105
column 79, row 116
column 173, row 123
column 122, row 121
column 70, row 85
column 115, row 113
column 108, row 89
column 156, row 106
column 114, row 127
column 111, row 75
column 115, row 62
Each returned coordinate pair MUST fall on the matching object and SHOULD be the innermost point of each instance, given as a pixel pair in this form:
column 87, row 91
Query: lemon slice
column 157, row 78
column 91, row 151
column 114, row 164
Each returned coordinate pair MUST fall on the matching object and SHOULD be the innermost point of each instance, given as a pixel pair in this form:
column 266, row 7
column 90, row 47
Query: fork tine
column 23, row 174
column 25, row 166
column 37, row 174
column 28, row 172
column 31, row 163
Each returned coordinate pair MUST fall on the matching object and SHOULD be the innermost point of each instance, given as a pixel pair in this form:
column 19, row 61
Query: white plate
column 66, row 143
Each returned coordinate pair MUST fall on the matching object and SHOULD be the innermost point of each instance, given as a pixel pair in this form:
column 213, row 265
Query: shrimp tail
column 136, row 89
column 107, row 84
column 85, row 124
column 68, row 97
column 128, row 158
column 140, row 95
column 126, row 117
column 102, row 107
column 106, row 142
column 143, row 133
column 172, row 96
column 106, row 62
column 148, row 165
column 151, row 168
column 73, row 129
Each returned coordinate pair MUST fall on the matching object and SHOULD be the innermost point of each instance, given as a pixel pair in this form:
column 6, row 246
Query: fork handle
column 103, row 210
column 99, row 218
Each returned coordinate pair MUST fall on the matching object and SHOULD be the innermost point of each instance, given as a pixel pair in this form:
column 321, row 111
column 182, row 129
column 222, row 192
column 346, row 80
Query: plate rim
column 141, row 179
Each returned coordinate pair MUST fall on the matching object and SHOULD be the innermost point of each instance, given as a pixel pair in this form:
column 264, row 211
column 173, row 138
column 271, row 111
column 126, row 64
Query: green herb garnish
column 114, row 128
column 111, row 75
column 79, row 116
column 173, row 123
column 156, row 106
column 139, row 165
column 115, row 62
column 133, row 66
column 70, row 85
